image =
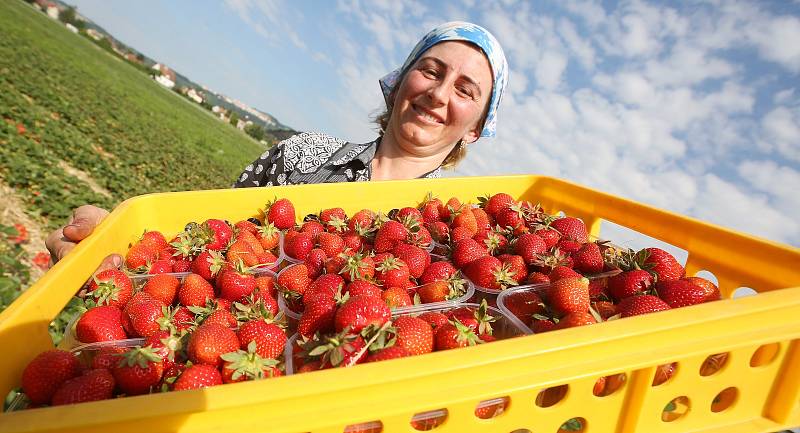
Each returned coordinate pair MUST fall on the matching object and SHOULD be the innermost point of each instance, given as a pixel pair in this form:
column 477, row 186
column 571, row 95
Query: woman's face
column 442, row 98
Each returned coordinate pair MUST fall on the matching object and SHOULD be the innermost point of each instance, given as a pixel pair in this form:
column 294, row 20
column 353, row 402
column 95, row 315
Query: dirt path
column 11, row 212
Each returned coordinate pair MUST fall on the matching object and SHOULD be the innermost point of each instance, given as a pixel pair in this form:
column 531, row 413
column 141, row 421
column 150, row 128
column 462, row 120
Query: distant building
column 240, row 124
column 72, row 28
column 195, row 96
column 94, row 34
column 217, row 109
column 52, row 11
column 165, row 81
column 132, row 58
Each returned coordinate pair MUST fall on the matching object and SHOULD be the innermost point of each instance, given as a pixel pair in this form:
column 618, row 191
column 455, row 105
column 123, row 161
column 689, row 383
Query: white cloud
column 550, row 68
column 777, row 40
column 580, row 47
column 781, row 183
column 781, row 132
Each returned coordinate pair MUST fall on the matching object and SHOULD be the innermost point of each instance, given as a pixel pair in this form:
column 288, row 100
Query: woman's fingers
column 84, row 220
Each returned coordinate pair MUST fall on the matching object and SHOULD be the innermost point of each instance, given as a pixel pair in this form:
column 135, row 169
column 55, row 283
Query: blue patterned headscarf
column 460, row 31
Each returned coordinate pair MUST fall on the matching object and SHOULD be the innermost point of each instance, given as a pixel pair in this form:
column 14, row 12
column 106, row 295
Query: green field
column 66, row 104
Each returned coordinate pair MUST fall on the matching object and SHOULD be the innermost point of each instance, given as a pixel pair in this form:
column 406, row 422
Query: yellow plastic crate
column 760, row 334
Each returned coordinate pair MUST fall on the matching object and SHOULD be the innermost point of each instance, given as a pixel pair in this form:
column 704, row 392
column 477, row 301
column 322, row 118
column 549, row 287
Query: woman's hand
column 82, row 224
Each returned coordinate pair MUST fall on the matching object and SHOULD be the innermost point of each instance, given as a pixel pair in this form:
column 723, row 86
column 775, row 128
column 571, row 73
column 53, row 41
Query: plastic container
column 504, row 327
column 760, row 381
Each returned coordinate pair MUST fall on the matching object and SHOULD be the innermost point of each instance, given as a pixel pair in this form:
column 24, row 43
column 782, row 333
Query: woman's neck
column 392, row 163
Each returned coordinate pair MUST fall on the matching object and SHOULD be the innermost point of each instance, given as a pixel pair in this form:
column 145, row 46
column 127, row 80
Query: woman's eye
column 465, row 91
column 430, row 72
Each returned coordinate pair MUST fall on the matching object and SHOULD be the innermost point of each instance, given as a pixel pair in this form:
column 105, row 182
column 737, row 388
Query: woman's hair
column 456, row 155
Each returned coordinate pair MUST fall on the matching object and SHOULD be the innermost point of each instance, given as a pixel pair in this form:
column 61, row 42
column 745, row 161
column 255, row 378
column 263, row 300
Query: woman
column 443, row 98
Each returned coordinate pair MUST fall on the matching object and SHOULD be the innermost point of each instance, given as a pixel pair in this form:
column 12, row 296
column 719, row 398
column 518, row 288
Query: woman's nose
column 439, row 92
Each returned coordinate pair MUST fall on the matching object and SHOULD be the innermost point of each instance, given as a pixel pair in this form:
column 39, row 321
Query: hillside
column 81, row 126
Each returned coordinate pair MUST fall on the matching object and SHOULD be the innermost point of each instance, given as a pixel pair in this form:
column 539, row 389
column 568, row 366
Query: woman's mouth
column 426, row 115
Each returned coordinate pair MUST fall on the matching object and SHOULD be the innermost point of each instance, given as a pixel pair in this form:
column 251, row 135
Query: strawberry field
column 79, row 126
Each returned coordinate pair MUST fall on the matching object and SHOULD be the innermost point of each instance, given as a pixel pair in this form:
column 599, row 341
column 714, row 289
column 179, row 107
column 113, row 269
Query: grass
column 64, row 99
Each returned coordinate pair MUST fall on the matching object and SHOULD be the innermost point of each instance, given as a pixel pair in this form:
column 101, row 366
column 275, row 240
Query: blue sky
column 692, row 106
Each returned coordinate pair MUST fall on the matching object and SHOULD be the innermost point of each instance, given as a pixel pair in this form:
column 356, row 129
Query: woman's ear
column 472, row 135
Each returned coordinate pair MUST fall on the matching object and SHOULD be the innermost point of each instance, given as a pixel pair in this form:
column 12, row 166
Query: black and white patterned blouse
column 313, row 158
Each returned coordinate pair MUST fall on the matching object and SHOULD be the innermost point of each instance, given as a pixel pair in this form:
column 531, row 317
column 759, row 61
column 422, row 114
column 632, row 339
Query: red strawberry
column 246, row 226
column 458, row 234
column 103, row 323
column 529, row 246
column 391, row 352
column 47, row 372
column 680, row 293
column 516, row 266
column 362, row 219
column 195, row 291
column 524, row 304
column 588, row 259
column 293, row 281
column 160, row 267
column 326, row 285
column 396, row 297
column 362, row 287
column 711, row 290
column 222, row 234
column 146, row 316
column 280, row 212
column 111, row 287
column 207, row 264
column 269, row 338
column 358, row 267
column 439, row 231
column 561, row 272
column 433, row 318
column 317, row 316
column 361, row 311
column 415, row 257
column 140, row 256
column 236, row 284
column 492, row 205
column 641, row 304
column 629, row 283
column 512, row 218
column 548, row 235
column 542, row 325
column 392, row 272
column 107, row 358
column 437, row 271
column 571, row 228
column 241, row 250
column 252, row 240
column 331, row 243
column 209, row 341
column 537, row 278
column 442, row 290
column 413, row 334
column 269, row 236
column 162, row 287
column 219, row 315
column 605, row 309
column 490, row 272
column 466, row 251
column 482, row 220
column 334, row 219
column 198, row 376
column 569, row 295
column 339, row 350
column 155, row 240
column 93, row 385
column 388, row 235
column 494, row 242
column 568, row 246
column 298, row 246
column 453, row 335
column 463, row 217
column 663, row 264
column 575, row 319
column 478, row 320
column 139, row 370
column 248, row 365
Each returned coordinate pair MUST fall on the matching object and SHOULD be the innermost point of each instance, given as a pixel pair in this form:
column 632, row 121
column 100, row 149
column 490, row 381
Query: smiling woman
column 444, row 97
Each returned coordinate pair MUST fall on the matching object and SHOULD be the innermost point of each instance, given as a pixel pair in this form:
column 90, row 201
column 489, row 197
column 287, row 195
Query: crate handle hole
column 664, row 373
column 429, row 420
column 573, row 425
column 676, row 408
column 550, row 396
column 725, row 399
column 521, row 430
column 608, row 385
column 742, row 292
column 492, row 408
column 764, row 355
column 714, row 363
column 365, row 427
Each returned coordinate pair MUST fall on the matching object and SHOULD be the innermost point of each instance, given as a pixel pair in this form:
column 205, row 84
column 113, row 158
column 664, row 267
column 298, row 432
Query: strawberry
column 248, row 365
column 318, row 315
column 541, row 325
column 362, row 219
column 548, row 235
column 110, row 287
column 146, row 316
column 575, row 319
column 195, row 291
column 388, row 235
column 198, row 376
column 711, row 290
column 537, row 278
column 160, row 267
column 268, row 235
column 463, row 217
column 362, row 287
column 298, row 246
column 396, row 297
column 154, row 240
column 512, row 219
column 221, row 316
column 437, row 271
column 140, row 256
column 236, row 284
column 530, row 246
column 605, row 309
column 495, row 203
column 588, row 259
column 466, row 251
column 93, row 385
column 209, row 341
column 453, row 335
column 162, row 287
column 407, row 212
column 45, row 374
column 280, row 212
column 641, row 304
column 439, row 231
column 392, row 272
column 433, row 318
column 414, row 257
column 568, row 246
column 571, row 228
column 293, row 281
column 269, row 338
column 361, row 311
column 252, row 240
column 458, row 234
column 208, row 264
column 569, row 295
column 489, row 272
column 246, row 226
column 663, row 264
column 516, row 266
column 524, row 304
column 107, row 358
column 442, row 290
column 339, row 350
column 482, row 220
column 680, row 293
column 561, row 272
column 334, row 219
column 331, row 243
column 552, row 259
column 139, row 370
column 494, row 242
column 182, row 265
column 629, row 283
column 391, row 352
column 103, row 323
column 358, row 267
column 413, row 334
column 478, row 320
column 326, row 285
column 221, row 232
column 241, row 250
column 430, row 212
